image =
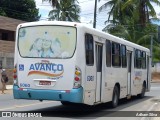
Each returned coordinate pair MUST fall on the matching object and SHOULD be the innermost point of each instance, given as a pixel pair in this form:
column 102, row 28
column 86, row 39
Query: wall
column 156, row 67
column 7, row 58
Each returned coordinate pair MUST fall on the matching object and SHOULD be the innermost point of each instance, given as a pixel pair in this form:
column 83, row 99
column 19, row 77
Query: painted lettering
column 60, row 67
column 42, row 67
column 46, row 67
column 24, row 85
column 31, row 67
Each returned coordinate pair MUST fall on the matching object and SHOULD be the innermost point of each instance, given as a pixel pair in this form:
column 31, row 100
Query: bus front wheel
column 115, row 97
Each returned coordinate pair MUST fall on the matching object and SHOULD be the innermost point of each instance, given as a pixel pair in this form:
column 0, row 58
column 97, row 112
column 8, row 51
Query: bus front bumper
column 73, row 95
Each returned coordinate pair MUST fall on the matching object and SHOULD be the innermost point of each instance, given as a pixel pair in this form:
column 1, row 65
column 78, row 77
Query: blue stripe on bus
column 75, row 95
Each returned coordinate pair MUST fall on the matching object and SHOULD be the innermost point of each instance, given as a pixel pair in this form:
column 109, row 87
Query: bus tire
column 115, row 97
column 142, row 94
column 66, row 103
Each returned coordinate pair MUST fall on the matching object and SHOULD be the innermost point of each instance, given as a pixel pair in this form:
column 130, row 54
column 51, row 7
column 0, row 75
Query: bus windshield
column 47, row 41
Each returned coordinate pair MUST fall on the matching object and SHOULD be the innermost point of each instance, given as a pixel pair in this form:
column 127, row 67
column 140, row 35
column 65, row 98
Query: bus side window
column 138, row 59
column 108, row 53
column 143, row 60
column 89, row 49
column 116, row 57
column 123, row 54
column 135, row 54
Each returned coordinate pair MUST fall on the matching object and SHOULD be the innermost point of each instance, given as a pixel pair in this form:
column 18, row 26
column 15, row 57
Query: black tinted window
column 108, row 53
column 89, row 49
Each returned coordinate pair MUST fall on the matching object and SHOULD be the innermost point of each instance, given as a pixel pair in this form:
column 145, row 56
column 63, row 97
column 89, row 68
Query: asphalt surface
column 54, row 110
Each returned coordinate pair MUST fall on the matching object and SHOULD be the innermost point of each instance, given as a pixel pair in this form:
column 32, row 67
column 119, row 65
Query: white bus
column 72, row 63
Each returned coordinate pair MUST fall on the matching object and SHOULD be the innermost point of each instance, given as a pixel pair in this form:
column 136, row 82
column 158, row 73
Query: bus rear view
column 45, row 63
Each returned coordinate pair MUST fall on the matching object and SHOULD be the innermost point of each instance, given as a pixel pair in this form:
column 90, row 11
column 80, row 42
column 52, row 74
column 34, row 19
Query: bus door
column 98, row 49
column 129, row 64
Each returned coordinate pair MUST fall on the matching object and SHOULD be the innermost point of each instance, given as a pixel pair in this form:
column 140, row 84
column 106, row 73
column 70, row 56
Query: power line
column 86, row 1
column 93, row 12
column 51, row 5
column 87, row 14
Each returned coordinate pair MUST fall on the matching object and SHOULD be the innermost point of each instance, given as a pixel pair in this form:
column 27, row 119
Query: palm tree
column 142, row 37
column 144, row 9
column 121, row 8
column 64, row 10
column 133, row 24
column 53, row 2
column 115, row 11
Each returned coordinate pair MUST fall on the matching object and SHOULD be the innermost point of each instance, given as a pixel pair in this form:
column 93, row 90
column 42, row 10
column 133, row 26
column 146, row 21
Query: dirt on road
column 156, row 76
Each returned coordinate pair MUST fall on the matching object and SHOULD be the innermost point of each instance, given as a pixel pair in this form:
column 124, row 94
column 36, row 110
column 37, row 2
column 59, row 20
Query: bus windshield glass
column 47, row 41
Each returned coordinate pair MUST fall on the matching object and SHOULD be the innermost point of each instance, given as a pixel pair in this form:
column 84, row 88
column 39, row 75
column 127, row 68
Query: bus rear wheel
column 141, row 95
column 66, row 103
column 115, row 97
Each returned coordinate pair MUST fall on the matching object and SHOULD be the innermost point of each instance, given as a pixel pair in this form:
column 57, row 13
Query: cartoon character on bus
column 36, row 48
column 56, row 49
column 47, row 47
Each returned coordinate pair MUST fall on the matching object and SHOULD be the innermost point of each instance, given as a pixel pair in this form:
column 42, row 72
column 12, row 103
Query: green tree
column 142, row 37
column 53, row 2
column 144, row 9
column 130, row 20
column 122, row 8
column 116, row 15
column 115, row 11
column 64, row 10
column 19, row 9
column 2, row 13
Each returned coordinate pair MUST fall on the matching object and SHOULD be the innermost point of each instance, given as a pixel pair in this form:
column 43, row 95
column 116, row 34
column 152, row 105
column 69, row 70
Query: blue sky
column 87, row 12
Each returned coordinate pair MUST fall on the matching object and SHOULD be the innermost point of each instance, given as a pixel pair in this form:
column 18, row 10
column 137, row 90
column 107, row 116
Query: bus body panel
column 61, row 88
column 74, row 95
column 32, row 71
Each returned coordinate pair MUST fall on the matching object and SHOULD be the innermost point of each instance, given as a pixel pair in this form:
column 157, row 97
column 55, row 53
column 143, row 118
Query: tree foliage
column 139, row 9
column 64, row 10
column 19, row 9
column 129, row 19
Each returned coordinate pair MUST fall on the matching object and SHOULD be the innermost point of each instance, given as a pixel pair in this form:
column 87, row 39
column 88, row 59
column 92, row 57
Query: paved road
column 51, row 109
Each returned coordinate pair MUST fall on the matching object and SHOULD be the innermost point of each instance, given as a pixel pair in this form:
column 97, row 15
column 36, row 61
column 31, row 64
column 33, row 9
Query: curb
column 8, row 87
column 155, row 81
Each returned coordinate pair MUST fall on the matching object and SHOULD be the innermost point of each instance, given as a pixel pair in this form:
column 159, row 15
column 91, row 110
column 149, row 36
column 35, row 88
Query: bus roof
column 88, row 29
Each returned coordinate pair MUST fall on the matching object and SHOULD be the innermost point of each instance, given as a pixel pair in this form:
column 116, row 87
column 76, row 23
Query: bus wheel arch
column 115, row 95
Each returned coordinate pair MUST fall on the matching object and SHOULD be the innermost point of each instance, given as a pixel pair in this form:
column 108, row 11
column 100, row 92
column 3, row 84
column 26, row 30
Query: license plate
column 44, row 82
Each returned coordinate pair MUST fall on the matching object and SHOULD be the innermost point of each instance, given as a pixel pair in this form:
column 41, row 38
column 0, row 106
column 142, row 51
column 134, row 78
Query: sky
column 87, row 12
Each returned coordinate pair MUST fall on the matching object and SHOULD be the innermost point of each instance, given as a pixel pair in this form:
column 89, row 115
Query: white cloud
column 157, row 9
column 44, row 8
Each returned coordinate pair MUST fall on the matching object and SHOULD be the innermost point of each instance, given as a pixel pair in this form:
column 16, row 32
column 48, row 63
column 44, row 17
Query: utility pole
column 95, row 14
